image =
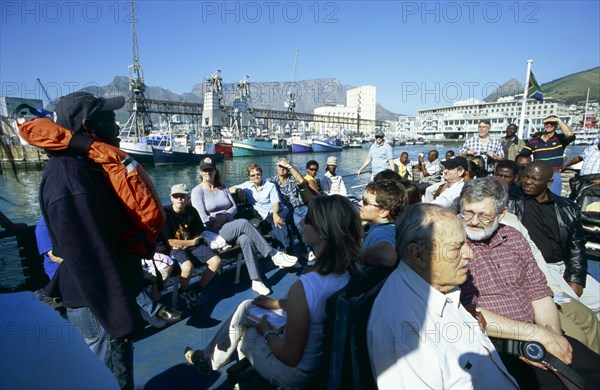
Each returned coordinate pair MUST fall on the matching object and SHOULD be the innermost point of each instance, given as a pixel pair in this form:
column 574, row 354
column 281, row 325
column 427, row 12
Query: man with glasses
column 182, row 234
column 380, row 206
column 550, row 146
column 380, row 155
column 511, row 293
column 263, row 196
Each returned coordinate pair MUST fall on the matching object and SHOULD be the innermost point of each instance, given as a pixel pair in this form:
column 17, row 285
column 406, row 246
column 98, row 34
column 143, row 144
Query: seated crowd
column 473, row 261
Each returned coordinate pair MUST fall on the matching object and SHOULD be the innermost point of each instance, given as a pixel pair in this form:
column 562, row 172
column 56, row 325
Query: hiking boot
column 190, row 298
column 169, row 315
column 260, row 288
column 284, row 260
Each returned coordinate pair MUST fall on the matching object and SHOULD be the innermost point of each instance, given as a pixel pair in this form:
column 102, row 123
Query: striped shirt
column 551, row 151
column 504, row 276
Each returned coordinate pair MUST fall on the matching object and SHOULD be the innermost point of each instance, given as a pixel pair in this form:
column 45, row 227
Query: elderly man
column 419, row 335
column 380, row 206
column 380, row 154
column 550, row 146
column 482, row 145
column 510, row 291
column 554, row 224
column 263, row 196
column 445, row 192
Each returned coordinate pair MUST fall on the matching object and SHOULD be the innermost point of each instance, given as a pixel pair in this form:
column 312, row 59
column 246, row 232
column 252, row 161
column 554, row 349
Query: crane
column 44, row 91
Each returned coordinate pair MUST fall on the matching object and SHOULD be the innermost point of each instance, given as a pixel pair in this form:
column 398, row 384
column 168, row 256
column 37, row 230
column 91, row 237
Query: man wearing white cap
column 330, row 182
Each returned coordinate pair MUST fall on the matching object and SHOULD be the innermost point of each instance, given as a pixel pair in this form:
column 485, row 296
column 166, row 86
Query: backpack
column 128, row 178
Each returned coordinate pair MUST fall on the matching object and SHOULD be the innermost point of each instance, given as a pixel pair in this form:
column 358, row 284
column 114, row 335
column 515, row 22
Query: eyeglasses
column 252, row 176
column 312, row 169
column 550, row 124
column 179, row 196
column 365, row 202
column 485, row 219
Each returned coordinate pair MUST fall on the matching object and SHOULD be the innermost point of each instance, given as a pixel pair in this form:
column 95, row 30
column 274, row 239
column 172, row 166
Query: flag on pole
column 533, row 89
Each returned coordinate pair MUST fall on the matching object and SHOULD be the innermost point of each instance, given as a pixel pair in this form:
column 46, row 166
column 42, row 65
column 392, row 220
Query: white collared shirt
column 421, row 338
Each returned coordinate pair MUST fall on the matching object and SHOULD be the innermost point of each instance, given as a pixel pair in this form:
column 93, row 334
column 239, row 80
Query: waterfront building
column 459, row 121
column 361, row 100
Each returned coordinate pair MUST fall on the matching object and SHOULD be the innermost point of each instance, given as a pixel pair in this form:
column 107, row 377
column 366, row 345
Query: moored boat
column 167, row 156
column 301, row 146
column 140, row 151
column 258, row 147
column 327, row 145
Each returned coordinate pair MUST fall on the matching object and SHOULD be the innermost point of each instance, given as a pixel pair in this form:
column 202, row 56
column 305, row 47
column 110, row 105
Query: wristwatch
column 534, row 351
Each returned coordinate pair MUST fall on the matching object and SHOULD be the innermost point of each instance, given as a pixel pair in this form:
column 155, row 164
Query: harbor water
column 19, row 199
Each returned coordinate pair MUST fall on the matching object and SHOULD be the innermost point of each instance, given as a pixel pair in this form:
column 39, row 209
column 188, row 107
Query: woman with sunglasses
column 217, row 210
column 290, row 359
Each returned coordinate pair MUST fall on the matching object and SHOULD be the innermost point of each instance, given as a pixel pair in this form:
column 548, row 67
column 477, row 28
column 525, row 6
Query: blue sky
column 419, row 54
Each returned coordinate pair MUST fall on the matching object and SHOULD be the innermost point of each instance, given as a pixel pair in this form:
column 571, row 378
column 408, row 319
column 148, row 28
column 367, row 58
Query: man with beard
column 419, row 335
column 511, row 144
column 554, row 224
column 482, row 145
column 509, row 290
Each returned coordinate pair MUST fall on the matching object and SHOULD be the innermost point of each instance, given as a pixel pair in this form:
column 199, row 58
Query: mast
column 524, row 105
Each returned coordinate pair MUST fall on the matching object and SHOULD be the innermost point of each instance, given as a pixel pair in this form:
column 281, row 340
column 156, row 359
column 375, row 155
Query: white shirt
column 420, row 338
column 446, row 198
column 333, row 184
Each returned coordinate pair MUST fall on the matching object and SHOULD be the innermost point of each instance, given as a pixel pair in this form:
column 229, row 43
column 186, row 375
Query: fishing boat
column 169, row 156
column 259, row 147
column 421, row 141
column 300, row 145
column 327, row 145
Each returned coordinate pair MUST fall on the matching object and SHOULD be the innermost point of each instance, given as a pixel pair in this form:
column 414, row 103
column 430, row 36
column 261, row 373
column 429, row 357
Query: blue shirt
column 381, row 156
column 263, row 198
column 380, row 232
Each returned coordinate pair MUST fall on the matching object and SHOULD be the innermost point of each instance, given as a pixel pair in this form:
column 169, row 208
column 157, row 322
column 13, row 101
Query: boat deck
column 158, row 354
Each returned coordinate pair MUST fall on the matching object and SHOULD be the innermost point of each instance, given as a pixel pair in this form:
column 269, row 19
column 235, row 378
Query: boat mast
column 290, row 102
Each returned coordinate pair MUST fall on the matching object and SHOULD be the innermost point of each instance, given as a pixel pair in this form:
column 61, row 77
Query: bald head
column 536, row 178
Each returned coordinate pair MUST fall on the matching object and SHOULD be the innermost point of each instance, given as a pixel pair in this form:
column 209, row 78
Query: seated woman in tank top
column 217, row 210
column 290, row 359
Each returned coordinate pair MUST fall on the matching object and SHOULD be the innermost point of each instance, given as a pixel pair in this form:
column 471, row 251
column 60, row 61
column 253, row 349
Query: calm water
column 19, row 199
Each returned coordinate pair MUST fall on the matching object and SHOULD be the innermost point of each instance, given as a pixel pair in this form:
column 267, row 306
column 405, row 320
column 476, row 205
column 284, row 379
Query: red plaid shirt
column 504, row 277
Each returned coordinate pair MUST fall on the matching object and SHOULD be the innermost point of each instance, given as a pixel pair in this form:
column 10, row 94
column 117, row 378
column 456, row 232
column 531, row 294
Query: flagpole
column 524, row 104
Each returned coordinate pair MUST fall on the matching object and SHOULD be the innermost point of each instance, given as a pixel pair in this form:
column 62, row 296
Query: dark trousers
column 585, row 362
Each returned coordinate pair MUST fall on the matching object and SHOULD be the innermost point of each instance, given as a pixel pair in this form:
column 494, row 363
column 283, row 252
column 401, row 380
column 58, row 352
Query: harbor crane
column 44, row 91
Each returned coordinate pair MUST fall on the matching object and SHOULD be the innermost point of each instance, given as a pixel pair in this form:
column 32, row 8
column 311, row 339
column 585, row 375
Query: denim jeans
column 117, row 354
column 556, row 185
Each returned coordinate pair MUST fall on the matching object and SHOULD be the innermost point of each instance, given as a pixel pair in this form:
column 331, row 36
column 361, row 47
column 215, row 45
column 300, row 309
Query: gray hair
column 482, row 188
column 416, row 224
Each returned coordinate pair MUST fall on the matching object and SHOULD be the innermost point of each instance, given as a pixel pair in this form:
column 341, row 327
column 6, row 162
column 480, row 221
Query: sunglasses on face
column 312, row 169
column 365, row 202
column 179, row 196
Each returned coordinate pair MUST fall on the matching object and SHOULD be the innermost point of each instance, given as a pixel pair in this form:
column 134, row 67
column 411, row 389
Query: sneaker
column 260, row 288
column 152, row 320
column 311, row 256
column 189, row 297
column 169, row 315
column 282, row 259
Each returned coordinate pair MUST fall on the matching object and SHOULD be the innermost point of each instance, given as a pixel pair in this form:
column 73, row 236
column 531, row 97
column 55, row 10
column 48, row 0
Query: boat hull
column 164, row 157
column 325, row 145
column 301, row 147
column 141, row 152
column 224, row 148
column 251, row 148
